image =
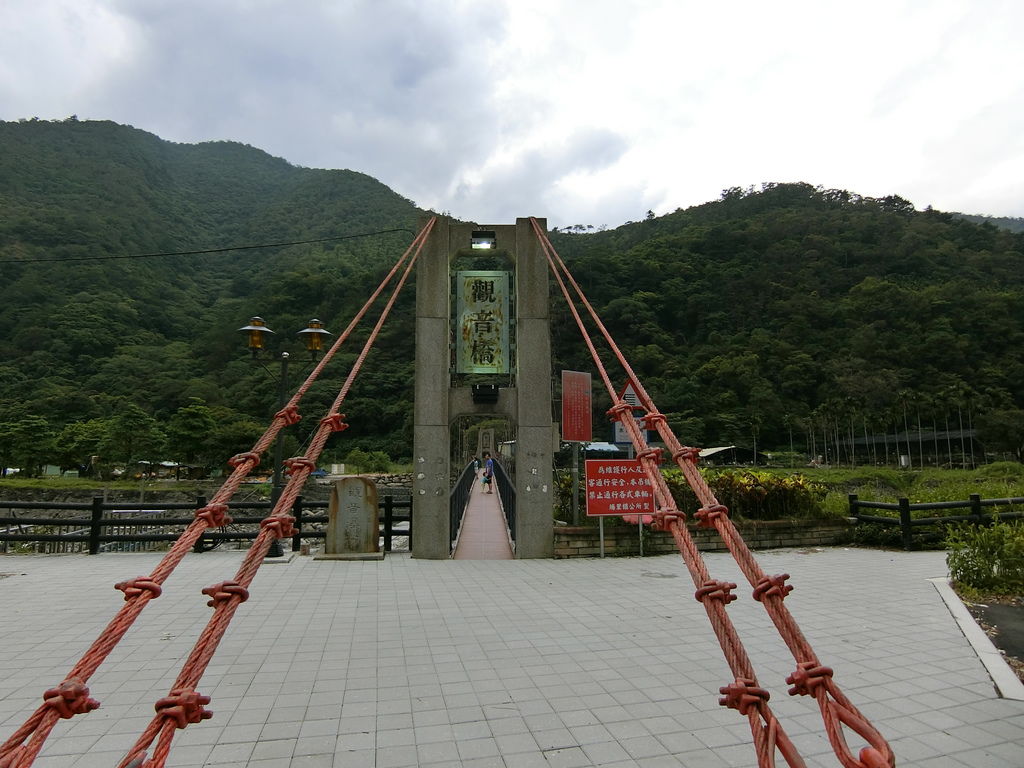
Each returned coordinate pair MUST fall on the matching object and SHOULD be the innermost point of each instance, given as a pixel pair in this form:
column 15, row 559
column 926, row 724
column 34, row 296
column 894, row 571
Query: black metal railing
column 507, row 498
column 120, row 526
column 458, row 500
column 906, row 521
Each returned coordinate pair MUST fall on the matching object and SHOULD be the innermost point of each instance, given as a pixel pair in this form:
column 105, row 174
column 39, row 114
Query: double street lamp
column 256, row 336
column 257, row 329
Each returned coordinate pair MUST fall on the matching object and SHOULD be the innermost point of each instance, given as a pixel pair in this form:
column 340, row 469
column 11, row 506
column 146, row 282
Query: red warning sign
column 618, row 487
column 576, row 420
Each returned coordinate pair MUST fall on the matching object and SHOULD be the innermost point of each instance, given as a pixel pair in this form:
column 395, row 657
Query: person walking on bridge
column 488, row 472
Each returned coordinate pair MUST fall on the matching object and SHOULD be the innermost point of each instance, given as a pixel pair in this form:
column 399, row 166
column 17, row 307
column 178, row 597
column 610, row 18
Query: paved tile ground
column 493, row 664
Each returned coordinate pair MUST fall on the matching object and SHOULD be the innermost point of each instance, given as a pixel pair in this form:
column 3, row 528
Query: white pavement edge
column 1005, row 679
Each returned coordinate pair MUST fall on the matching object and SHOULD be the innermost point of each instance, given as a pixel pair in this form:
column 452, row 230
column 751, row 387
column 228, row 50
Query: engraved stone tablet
column 353, row 528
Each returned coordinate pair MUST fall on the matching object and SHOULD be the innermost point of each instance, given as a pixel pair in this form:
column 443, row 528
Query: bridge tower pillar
column 523, row 367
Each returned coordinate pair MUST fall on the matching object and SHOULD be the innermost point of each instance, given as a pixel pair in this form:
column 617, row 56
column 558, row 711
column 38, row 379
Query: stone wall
column 620, row 539
column 399, row 486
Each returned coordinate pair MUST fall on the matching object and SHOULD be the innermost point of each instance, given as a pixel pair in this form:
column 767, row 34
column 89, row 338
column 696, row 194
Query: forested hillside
column 792, row 310
column 151, row 343
column 1012, row 223
column 767, row 315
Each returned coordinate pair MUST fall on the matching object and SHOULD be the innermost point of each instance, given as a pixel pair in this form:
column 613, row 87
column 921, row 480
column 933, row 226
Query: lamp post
column 256, row 332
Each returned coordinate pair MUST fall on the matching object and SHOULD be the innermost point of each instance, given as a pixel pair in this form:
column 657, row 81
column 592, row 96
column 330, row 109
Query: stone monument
column 353, row 526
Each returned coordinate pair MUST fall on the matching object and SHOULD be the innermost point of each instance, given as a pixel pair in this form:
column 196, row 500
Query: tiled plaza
column 492, row 664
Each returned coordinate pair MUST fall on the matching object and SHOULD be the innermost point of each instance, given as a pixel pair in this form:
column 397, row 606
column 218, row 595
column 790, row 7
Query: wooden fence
column 126, row 527
column 907, row 522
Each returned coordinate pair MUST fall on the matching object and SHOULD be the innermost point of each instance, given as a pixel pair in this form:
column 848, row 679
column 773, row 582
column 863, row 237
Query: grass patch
column 89, row 484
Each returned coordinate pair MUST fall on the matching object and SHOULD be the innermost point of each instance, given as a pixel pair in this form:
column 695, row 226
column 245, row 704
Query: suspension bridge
column 852, row 740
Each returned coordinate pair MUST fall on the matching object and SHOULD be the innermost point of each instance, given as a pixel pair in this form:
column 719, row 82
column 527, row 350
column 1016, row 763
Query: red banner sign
column 576, row 420
column 618, row 487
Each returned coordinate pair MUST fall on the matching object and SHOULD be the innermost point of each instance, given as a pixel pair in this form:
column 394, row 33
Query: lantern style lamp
column 314, row 334
column 256, row 329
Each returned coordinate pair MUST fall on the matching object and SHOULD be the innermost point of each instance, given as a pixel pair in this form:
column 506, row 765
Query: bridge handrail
column 507, row 498
column 458, row 500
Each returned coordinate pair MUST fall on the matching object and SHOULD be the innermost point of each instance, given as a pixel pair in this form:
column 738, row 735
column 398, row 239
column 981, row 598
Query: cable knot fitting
column 807, row 677
column 772, row 586
column 215, row 515
column 70, row 698
column 743, row 694
column 687, row 454
column 663, row 517
column 650, row 453
column 652, row 420
column 619, row 410
column 335, row 422
column 184, row 706
column 138, row 585
column 223, row 592
column 298, row 463
column 282, row 526
column 240, row 458
column 706, row 516
column 716, row 590
column 289, row 414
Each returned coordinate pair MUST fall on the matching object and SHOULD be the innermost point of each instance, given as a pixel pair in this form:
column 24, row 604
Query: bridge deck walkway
column 484, row 533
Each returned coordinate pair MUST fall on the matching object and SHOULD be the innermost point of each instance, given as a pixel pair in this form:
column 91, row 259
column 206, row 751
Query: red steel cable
column 183, row 704
column 810, row 677
column 743, row 694
column 71, row 696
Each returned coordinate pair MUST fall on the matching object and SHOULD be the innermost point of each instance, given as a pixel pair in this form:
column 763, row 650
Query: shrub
column 987, row 558
column 753, row 494
column 562, row 508
column 357, row 459
column 378, row 461
column 1002, row 470
column 877, row 535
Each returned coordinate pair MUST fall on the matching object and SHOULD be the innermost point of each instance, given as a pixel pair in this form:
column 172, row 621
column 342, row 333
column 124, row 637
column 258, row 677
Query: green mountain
column 785, row 315
column 799, row 311
column 82, row 334
column 1012, row 223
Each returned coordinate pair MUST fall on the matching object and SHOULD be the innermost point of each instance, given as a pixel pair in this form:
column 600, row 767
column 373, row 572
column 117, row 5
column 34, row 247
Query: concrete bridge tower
column 483, row 324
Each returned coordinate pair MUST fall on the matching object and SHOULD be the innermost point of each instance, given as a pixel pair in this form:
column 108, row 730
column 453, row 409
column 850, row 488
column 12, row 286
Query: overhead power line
column 207, row 250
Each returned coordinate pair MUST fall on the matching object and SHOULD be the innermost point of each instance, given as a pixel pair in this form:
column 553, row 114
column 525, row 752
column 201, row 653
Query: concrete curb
column 1006, row 681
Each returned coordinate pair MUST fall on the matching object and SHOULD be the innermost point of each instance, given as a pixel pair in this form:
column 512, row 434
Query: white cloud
column 582, row 112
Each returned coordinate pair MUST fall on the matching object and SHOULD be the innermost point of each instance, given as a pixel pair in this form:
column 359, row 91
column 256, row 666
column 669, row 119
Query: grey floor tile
column 517, row 664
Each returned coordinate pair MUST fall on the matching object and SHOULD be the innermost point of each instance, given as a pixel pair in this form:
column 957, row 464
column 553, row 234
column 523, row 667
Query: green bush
column 357, row 460
column 877, row 535
column 749, row 494
column 989, row 558
column 378, row 461
column 753, row 494
column 563, row 495
column 1009, row 471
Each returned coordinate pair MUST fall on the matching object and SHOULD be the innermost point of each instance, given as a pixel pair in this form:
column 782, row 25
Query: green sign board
column 482, row 319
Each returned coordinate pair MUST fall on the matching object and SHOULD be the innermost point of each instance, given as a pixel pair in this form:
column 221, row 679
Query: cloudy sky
column 583, row 111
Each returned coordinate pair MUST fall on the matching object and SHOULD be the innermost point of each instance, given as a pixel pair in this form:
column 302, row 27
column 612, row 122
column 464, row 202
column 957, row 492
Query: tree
column 232, row 434
column 131, row 435
column 79, row 442
column 1003, row 430
column 378, row 461
column 27, row 443
column 190, row 432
